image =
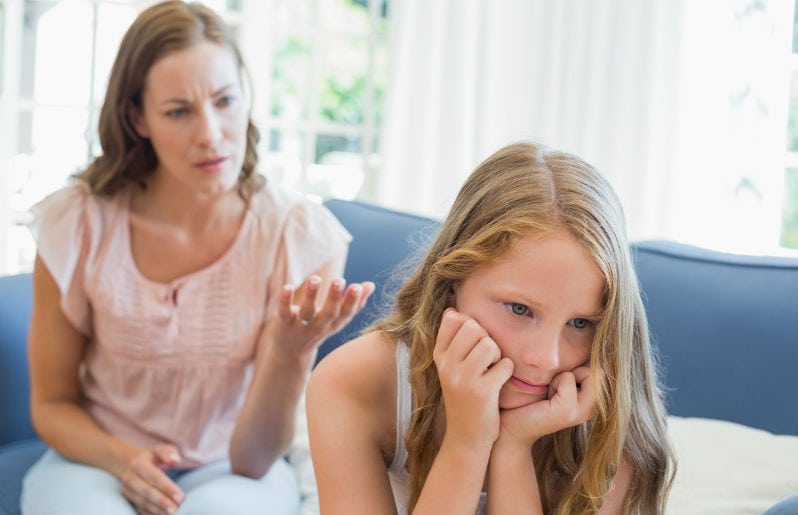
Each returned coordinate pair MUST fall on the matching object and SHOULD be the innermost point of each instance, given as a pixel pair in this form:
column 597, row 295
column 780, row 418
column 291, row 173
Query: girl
column 514, row 374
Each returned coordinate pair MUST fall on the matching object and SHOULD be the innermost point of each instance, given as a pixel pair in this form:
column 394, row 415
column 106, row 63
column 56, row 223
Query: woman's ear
column 136, row 118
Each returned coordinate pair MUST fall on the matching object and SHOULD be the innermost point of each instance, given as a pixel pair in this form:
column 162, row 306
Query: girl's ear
column 451, row 299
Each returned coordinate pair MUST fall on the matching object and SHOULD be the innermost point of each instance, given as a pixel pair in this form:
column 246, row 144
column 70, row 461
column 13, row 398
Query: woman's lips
column 212, row 165
column 534, row 389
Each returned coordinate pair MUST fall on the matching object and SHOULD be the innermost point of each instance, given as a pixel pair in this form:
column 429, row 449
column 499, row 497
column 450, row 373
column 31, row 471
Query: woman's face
column 195, row 115
column 540, row 303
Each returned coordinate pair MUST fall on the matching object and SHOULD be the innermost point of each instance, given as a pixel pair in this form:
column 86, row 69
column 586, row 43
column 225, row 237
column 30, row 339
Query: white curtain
column 681, row 104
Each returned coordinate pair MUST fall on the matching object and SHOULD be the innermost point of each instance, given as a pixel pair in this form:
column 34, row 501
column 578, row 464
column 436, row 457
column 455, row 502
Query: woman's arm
column 55, row 351
column 286, row 353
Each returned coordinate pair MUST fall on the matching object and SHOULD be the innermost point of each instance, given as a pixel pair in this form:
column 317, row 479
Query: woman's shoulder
column 273, row 199
column 73, row 215
column 77, row 200
column 278, row 209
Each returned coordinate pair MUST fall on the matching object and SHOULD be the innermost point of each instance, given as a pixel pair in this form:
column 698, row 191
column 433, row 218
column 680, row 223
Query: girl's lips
column 534, row 389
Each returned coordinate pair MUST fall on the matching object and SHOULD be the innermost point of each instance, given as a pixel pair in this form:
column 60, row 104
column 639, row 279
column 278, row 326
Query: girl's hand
column 303, row 323
column 472, row 372
column 570, row 402
column 145, row 484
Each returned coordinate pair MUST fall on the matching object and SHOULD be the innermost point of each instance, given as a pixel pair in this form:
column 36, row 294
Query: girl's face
column 540, row 303
column 195, row 115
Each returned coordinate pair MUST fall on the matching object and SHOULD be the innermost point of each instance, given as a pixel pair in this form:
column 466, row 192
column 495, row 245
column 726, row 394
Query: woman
column 168, row 347
column 514, row 374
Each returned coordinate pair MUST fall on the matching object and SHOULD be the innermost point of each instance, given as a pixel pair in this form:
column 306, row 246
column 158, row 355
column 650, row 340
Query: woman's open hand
column 145, row 484
column 571, row 401
column 304, row 320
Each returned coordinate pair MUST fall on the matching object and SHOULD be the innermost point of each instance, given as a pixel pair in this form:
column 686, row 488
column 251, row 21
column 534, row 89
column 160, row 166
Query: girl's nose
column 542, row 349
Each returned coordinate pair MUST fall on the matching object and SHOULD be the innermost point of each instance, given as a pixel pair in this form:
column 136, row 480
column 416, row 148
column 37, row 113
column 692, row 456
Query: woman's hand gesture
column 305, row 320
column 471, row 372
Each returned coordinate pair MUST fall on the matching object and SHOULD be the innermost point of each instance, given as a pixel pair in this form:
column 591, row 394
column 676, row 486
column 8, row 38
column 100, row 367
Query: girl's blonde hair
column 528, row 190
column 162, row 29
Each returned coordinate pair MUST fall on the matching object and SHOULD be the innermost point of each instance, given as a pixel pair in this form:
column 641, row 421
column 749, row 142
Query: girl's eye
column 580, row 323
column 518, row 309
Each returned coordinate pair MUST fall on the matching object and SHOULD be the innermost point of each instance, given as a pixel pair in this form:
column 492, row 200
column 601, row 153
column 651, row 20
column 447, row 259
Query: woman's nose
column 210, row 129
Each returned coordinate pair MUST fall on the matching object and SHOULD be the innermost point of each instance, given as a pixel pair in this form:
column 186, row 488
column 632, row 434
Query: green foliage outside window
column 342, row 96
column 789, row 222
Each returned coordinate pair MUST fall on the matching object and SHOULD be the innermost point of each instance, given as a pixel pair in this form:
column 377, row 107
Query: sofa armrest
column 15, row 307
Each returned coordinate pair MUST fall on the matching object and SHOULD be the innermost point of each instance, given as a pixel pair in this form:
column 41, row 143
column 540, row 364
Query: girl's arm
column 512, row 483
column 55, row 352
column 351, row 406
column 286, row 353
column 513, row 486
column 613, row 504
column 471, row 372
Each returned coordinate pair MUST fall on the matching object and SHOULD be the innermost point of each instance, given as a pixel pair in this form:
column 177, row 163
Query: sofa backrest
column 382, row 240
column 726, row 326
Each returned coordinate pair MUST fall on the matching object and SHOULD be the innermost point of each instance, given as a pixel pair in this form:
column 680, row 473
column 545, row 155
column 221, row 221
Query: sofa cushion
column 730, row 468
column 15, row 459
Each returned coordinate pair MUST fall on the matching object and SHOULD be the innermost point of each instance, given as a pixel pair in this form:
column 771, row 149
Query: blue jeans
column 57, row 486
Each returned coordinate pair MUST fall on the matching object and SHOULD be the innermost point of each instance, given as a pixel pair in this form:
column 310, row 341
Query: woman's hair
column 160, row 30
column 528, row 190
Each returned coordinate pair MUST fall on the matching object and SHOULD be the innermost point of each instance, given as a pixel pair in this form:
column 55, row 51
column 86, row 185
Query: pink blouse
column 171, row 363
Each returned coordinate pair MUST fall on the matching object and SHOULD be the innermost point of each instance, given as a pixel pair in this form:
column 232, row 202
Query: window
column 328, row 75
column 317, row 94
column 789, row 225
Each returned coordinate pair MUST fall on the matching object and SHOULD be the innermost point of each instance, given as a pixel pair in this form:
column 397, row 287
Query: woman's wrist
column 121, row 454
column 285, row 358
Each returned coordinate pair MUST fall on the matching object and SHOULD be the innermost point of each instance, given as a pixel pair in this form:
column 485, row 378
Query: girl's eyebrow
column 524, row 299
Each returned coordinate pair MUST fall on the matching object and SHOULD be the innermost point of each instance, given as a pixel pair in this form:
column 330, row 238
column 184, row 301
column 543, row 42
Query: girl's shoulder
column 364, row 368
column 358, row 380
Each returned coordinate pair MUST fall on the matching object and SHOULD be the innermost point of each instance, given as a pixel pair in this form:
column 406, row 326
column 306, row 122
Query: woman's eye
column 226, row 100
column 518, row 309
column 177, row 113
column 580, row 323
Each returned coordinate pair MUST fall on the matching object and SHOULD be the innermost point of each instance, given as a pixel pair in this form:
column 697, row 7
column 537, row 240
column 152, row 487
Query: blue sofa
column 726, row 327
